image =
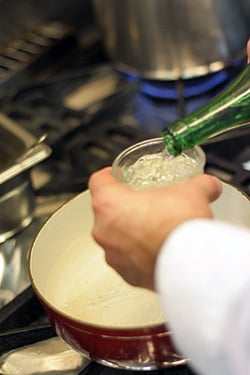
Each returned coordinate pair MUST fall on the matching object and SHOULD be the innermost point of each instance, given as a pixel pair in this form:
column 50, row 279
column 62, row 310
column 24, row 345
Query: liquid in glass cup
column 147, row 165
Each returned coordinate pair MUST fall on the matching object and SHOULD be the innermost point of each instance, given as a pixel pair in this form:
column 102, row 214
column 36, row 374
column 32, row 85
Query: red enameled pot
column 87, row 302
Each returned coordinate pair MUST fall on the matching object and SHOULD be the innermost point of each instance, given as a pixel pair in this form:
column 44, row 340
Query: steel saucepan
column 172, row 39
column 88, row 303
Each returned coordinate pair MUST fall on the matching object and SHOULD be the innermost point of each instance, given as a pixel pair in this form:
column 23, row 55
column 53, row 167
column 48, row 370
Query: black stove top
column 51, row 96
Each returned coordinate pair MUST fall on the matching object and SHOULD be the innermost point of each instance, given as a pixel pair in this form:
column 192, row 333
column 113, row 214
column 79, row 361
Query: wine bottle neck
column 230, row 109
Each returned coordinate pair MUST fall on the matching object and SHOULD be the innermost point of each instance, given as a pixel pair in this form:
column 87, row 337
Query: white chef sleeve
column 203, row 278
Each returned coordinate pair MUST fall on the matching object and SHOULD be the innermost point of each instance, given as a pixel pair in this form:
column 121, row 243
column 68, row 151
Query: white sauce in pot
column 97, row 294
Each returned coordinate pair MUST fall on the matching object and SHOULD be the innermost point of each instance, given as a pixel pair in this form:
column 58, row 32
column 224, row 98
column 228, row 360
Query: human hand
column 131, row 225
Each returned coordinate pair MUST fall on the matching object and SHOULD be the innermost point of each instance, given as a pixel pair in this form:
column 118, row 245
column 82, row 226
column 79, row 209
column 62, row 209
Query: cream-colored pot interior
column 69, row 272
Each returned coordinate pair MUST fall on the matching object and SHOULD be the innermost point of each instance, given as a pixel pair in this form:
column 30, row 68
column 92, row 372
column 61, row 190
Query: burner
column 189, row 87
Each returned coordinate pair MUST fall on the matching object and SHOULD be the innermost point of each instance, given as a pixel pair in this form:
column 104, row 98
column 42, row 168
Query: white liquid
column 159, row 169
column 96, row 294
column 115, row 306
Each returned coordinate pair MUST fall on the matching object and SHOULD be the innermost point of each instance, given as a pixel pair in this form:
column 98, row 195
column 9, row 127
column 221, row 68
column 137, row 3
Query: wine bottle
column 228, row 110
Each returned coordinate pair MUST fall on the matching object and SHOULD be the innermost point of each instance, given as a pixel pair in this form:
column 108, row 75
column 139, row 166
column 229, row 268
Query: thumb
column 210, row 185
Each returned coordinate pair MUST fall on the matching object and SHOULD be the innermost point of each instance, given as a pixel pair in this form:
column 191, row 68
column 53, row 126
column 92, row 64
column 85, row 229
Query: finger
column 101, row 177
column 210, row 185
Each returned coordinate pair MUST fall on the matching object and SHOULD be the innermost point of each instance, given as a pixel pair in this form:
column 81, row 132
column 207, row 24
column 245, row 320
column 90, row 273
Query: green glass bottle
column 228, row 110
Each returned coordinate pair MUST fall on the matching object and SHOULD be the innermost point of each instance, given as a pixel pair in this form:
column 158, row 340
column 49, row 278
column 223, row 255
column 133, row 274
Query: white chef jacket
column 203, row 278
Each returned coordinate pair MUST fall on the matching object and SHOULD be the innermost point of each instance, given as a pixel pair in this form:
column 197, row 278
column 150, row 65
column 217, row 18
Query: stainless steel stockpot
column 172, row 39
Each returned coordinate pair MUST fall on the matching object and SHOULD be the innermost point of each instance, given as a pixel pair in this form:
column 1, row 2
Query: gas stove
column 89, row 112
